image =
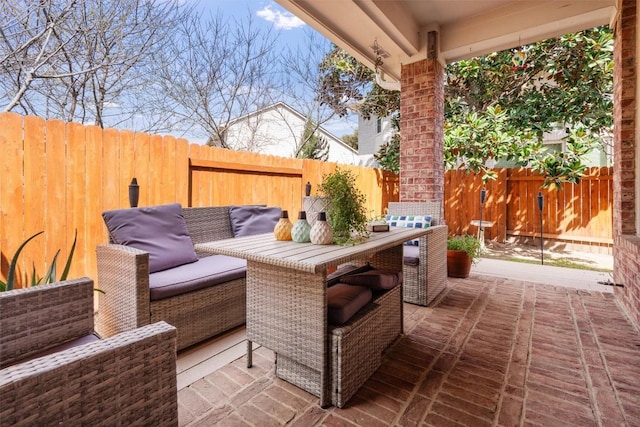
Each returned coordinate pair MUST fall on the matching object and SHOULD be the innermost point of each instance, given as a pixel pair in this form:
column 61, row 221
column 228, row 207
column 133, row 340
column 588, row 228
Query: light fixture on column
column 380, row 80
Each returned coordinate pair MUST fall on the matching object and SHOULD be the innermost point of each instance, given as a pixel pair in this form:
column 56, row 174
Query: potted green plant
column 345, row 204
column 462, row 252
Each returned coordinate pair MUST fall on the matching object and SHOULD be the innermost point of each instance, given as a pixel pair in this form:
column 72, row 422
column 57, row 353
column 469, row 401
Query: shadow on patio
column 491, row 351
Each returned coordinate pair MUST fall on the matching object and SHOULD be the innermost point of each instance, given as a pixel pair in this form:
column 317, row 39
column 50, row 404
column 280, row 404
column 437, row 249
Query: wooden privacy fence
column 59, row 177
column 578, row 213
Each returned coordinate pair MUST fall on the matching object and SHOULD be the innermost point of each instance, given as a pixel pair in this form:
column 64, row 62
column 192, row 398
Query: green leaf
column 14, row 261
column 67, row 266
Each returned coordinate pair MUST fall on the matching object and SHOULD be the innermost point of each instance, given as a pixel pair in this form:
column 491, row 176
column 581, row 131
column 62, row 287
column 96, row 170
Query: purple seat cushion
column 206, row 272
column 411, row 255
column 374, row 279
column 159, row 230
column 251, row 220
column 343, row 301
column 334, row 277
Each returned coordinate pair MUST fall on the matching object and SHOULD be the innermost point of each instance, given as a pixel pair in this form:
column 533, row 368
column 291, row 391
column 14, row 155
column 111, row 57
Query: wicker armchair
column 128, row 379
column 422, row 283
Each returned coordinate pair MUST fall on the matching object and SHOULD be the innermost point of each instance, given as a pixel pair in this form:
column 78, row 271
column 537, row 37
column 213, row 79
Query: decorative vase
column 313, row 205
column 321, row 232
column 458, row 264
column 283, row 227
column 301, row 229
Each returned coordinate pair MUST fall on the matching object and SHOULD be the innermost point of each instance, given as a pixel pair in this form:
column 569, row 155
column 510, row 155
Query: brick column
column 421, row 130
column 625, row 181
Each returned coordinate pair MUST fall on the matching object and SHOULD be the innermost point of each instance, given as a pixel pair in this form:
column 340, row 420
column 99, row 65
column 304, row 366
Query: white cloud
column 282, row 21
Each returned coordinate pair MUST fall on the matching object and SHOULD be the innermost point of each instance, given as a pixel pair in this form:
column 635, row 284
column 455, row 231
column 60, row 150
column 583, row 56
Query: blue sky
column 291, row 32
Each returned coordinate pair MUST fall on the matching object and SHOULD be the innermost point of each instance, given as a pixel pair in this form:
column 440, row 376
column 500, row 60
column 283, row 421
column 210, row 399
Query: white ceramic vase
column 321, row 232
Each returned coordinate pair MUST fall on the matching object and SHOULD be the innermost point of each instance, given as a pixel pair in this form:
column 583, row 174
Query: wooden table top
column 308, row 257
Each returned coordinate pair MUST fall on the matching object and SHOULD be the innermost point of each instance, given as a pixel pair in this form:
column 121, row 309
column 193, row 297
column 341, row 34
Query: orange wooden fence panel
column 580, row 213
column 59, row 177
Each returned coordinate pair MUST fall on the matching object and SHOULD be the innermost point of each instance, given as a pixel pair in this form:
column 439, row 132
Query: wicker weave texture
column 204, row 313
column 287, row 315
column 389, row 320
column 123, row 273
column 355, row 353
column 424, row 282
column 129, row 379
column 35, row 319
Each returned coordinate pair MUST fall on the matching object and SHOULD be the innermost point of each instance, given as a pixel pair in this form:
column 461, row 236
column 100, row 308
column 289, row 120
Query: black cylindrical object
column 540, row 207
column 134, row 193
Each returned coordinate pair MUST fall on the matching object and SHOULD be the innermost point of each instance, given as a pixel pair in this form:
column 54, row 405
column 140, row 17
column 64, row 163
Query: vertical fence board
column 76, row 196
column 127, row 156
column 182, row 171
column 55, row 188
column 142, row 163
column 34, row 189
column 605, row 226
column 12, row 188
column 92, row 225
column 111, row 171
column 169, row 169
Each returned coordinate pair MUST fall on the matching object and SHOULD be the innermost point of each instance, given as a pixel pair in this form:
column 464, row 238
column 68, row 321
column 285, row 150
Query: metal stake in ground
column 540, row 206
column 483, row 196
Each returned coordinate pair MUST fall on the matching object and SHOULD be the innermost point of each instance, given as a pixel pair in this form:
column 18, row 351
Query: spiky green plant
column 50, row 275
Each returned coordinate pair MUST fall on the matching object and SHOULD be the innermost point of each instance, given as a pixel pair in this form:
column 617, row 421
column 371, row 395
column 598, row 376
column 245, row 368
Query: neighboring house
column 277, row 130
column 374, row 132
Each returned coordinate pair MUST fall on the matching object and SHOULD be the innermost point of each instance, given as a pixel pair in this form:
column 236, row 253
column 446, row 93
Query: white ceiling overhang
column 464, row 28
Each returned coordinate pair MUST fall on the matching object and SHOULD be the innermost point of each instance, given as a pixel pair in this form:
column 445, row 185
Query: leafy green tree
column 314, row 146
column 351, row 140
column 347, row 84
column 496, row 109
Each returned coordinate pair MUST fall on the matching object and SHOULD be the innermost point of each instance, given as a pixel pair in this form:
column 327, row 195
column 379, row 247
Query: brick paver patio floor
column 491, row 352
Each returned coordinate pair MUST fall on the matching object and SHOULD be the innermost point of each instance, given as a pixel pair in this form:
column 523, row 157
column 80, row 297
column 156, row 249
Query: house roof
column 294, row 112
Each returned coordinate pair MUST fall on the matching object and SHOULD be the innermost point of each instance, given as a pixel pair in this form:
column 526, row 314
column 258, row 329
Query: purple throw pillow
column 251, row 220
column 374, row 279
column 159, row 230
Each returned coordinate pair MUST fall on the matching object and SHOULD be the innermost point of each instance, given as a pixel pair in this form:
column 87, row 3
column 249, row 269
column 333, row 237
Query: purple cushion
column 411, row 255
column 343, row 301
column 250, row 220
column 334, row 277
column 374, row 279
column 159, row 230
column 206, row 272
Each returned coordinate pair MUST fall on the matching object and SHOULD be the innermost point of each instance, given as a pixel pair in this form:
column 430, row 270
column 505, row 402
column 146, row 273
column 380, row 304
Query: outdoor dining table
column 287, row 290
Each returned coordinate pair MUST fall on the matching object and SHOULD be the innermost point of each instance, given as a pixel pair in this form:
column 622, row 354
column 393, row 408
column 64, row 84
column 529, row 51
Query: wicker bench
column 425, row 279
column 123, row 274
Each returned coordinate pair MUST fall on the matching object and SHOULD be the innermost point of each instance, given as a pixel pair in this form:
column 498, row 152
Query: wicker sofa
column 425, row 266
column 55, row 371
column 123, row 273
